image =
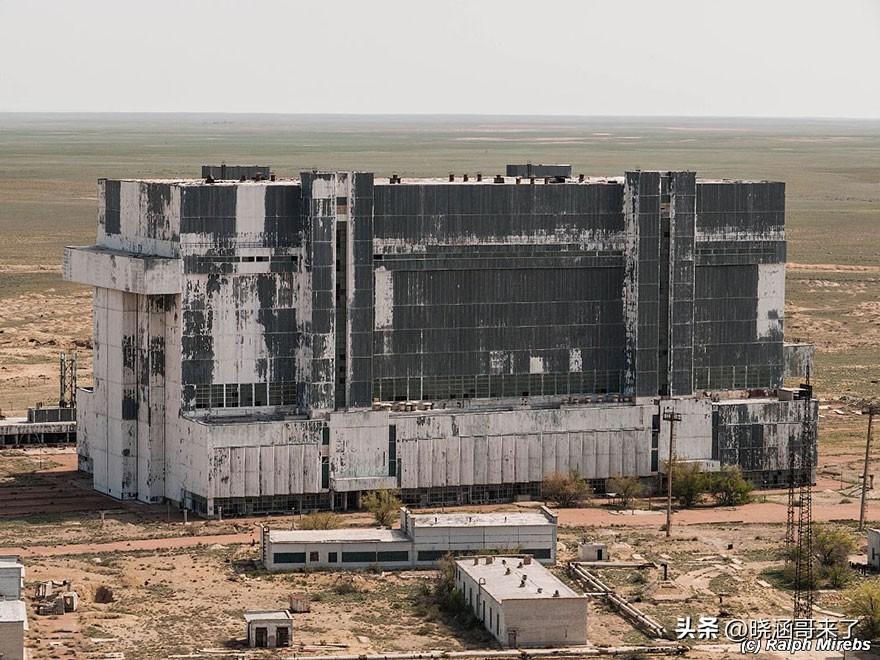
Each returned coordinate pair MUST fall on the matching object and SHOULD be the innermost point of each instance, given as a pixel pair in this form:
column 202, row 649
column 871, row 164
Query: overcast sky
column 765, row 58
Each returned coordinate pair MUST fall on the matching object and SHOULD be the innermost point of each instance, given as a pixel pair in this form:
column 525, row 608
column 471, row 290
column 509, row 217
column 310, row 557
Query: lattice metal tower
column 803, row 557
column 67, row 372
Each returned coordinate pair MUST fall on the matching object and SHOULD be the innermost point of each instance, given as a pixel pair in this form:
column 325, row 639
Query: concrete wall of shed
column 12, row 640
column 550, row 622
column 325, row 548
column 873, row 548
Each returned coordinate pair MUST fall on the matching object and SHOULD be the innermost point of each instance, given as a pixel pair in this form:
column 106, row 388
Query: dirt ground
column 180, row 589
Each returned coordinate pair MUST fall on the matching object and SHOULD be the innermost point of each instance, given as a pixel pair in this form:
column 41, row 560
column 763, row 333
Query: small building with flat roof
column 874, row 548
column 285, row 550
column 269, row 629
column 520, row 602
column 421, row 541
column 13, row 626
column 11, row 577
column 516, row 532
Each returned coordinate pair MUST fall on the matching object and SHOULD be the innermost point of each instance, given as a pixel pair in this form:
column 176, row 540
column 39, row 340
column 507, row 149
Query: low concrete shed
column 269, row 629
column 285, row 550
column 11, row 577
column 874, row 548
column 13, row 626
column 421, row 541
column 522, row 603
column 521, row 532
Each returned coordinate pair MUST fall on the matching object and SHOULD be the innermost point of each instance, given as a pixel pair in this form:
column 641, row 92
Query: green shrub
column 863, row 602
column 383, row 504
column 627, row 488
column 565, row 490
column 689, row 483
column 320, row 520
column 729, row 487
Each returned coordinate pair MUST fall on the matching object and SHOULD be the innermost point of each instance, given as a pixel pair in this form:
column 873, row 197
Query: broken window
column 288, row 394
column 289, row 558
column 314, row 556
column 261, row 398
column 246, row 394
column 275, row 394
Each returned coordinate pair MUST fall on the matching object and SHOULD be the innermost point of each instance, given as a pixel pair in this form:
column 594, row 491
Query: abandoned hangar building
column 266, row 344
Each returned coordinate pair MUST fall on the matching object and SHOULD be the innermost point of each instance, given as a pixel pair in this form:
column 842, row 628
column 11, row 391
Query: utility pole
column 871, row 410
column 672, row 417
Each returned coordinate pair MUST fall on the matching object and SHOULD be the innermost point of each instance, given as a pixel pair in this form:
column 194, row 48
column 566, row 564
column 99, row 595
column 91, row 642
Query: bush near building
column 626, row 488
column 689, row 483
column 383, row 504
column 729, row 487
column 831, row 549
column 565, row 490
column 320, row 520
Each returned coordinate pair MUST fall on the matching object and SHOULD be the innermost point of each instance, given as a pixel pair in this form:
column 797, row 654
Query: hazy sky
column 633, row 57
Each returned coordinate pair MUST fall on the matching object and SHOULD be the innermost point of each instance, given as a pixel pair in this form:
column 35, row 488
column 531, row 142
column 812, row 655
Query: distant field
column 49, row 164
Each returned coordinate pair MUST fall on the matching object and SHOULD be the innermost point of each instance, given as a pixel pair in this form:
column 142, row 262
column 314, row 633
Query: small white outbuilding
column 269, row 629
column 874, row 548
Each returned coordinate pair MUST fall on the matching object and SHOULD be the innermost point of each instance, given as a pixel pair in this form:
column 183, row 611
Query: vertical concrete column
column 151, row 401
column 98, row 449
column 122, row 396
column 641, row 281
column 359, row 367
column 319, row 209
column 683, row 214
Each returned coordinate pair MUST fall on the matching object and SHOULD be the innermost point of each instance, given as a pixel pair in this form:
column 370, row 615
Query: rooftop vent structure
column 530, row 170
column 224, row 172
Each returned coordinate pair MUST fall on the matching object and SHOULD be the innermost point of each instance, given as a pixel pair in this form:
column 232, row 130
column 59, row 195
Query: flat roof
column 350, row 534
column 6, row 565
column 13, row 610
column 501, row 585
column 383, row 180
column 502, row 519
column 273, row 615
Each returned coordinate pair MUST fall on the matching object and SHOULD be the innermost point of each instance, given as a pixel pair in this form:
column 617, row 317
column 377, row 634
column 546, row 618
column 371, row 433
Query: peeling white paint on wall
column 771, row 299
column 250, row 209
column 575, row 361
column 384, row 299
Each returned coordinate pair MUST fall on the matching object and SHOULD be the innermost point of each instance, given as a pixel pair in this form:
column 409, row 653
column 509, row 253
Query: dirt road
column 133, row 545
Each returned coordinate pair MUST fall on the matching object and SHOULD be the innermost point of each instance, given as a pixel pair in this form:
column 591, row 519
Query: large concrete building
column 421, row 541
column 268, row 345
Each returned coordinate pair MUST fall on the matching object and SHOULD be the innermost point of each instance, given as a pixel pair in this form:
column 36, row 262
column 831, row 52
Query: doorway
column 261, row 637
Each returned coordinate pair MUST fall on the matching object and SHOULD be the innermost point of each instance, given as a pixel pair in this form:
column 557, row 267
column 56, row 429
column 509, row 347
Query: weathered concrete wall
column 110, row 269
column 485, row 291
column 555, row 622
column 798, row 360
column 740, row 285
column 141, row 217
column 758, row 434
